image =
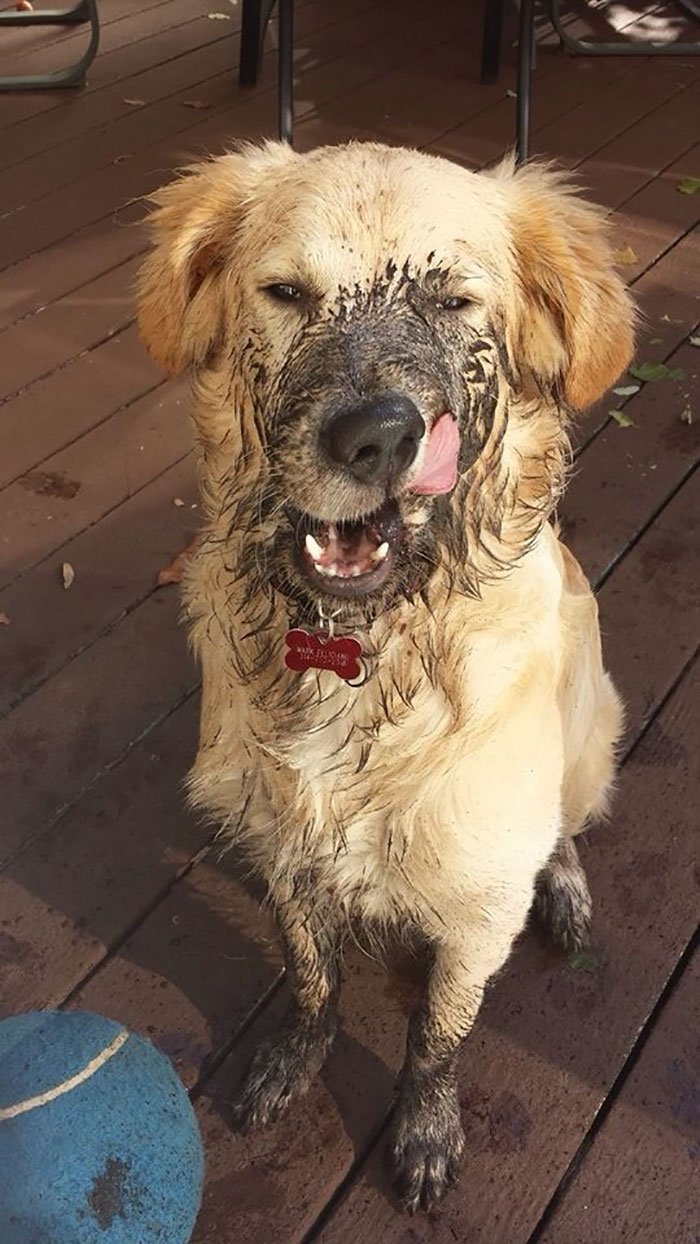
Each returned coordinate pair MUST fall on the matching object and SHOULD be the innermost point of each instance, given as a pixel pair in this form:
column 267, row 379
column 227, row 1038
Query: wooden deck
column 578, row 1082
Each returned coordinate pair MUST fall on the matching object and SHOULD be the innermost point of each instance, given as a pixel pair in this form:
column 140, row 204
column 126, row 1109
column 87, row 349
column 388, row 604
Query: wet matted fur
column 442, row 792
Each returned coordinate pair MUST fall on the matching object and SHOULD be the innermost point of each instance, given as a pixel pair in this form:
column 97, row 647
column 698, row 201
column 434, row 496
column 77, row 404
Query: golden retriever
column 405, row 716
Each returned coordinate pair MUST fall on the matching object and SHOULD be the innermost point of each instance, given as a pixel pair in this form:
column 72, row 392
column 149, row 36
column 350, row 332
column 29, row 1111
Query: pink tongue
column 439, row 470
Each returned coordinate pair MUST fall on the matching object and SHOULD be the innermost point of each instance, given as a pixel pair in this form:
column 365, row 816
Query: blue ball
column 98, row 1140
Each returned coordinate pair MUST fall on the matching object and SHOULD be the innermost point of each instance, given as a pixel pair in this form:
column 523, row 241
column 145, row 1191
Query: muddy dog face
column 384, row 347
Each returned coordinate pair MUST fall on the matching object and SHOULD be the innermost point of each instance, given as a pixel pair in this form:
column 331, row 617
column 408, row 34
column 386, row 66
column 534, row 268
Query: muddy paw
column 281, row 1071
column 562, row 905
column 425, row 1154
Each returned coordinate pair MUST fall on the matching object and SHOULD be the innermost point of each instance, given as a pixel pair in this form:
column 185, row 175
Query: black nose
column 375, row 440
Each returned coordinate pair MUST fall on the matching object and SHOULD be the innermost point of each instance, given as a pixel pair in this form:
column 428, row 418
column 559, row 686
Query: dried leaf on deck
column 4, row 619
column 135, row 103
column 194, row 103
column 694, row 341
column 655, row 371
column 67, row 575
column 219, row 17
column 621, row 419
column 626, row 256
column 627, row 390
column 687, row 415
column 689, row 185
column 174, row 572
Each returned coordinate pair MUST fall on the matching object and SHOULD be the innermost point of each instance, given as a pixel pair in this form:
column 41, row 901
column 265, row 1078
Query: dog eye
column 453, row 303
column 283, row 292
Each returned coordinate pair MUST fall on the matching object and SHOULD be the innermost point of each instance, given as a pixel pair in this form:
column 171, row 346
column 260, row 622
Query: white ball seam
column 42, row 1099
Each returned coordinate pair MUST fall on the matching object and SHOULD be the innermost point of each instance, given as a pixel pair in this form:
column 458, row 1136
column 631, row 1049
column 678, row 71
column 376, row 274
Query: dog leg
column 285, row 1065
column 427, row 1140
column 562, row 898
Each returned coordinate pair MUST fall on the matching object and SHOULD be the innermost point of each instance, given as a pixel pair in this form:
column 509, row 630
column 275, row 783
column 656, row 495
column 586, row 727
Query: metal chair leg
column 285, row 67
column 74, row 75
column 526, row 50
column 491, row 40
column 254, row 22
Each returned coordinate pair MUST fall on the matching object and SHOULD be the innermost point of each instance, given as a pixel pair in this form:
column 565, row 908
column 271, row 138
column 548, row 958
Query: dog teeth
column 380, row 553
column 313, row 547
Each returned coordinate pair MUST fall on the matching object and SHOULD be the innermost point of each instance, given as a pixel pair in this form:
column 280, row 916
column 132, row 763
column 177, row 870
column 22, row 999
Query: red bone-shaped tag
column 321, row 652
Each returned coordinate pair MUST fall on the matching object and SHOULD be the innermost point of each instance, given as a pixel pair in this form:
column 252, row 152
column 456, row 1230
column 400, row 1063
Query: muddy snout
column 375, row 440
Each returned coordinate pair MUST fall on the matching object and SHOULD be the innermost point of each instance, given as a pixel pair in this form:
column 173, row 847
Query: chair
column 73, row 75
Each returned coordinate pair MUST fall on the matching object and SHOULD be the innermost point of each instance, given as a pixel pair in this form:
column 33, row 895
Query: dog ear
column 193, row 228
column 574, row 325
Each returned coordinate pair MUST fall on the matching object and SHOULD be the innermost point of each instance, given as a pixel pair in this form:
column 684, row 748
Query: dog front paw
column 426, row 1148
column 281, row 1070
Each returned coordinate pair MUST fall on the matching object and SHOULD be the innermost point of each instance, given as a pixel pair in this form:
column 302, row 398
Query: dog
column 405, row 716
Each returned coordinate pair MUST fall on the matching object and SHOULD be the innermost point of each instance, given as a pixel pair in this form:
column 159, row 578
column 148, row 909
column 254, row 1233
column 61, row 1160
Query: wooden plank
column 631, row 471
column 59, row 741
column 653, row 219
column 90, row 315
column 670, row 304
column 574, row 136
column 669, row 299
column 103, row 864
column 632, row 159
column 42, row 279
column 550, row 1040
column 644, row 581
column 399, row 115
column 80, row 484
column 638, row 1180
column 62, row 908
column 195, row 969
column 614, row 112
column 53, row 412
column 115, row 563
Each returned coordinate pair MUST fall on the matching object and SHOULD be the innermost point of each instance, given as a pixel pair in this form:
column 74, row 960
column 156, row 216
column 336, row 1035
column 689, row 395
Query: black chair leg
column 526, row 51
column 491, row 40
column 285, row 67
column 255, row 17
